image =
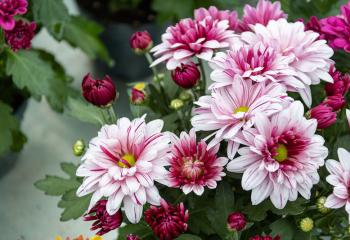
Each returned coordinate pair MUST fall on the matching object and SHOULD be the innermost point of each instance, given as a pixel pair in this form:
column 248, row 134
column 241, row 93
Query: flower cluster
column 9, row 9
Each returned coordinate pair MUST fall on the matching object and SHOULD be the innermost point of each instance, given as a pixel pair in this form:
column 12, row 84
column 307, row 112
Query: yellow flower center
column 282, row 153
column 127, row 161
column 96, row 238
column 140, row 86
column 243, row 109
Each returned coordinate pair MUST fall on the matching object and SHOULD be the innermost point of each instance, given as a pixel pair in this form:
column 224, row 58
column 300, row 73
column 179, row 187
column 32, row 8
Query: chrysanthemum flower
column 256, row 62
column 340, row 178
column 231, row 108
column 190, row 38
column 311, row 57
column 167, row 221
column 231, row 16
column 193, row 166
column 122, row 163
column 10, row 8
column 263, row 13
column 281, row 157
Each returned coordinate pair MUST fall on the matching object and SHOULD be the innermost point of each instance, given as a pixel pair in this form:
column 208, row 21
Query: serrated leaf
column 56, row 186
column 8, row 124
column 257, row 212
column 85, row 112
column 140, row 229
column 70, row 169
column 188, row 237
column 283, row 228
column 75, row 208
column 29, row 71
column 292, row 208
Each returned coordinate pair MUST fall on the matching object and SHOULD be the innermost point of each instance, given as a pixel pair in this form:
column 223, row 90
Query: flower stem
column 204, row 79
column 154, row 69
column 112, row 115
column 235, row 235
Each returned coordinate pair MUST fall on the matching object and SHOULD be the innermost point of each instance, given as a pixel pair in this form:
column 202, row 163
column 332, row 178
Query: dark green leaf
column 173, row 9
column 283, row 228
column 188, row 237
column 56, row 186
column 74, row 208
column 18, row 140
column 257, row 212
column 292, row 208
column 8, row 124
column 140, row 229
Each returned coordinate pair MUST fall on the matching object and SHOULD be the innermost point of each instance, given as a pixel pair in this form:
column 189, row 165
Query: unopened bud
column 306, row 224
column 79, row 147
column 176, row 104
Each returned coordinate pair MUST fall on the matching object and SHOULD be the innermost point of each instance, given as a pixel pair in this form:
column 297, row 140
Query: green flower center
column 243, row 109
column 281, row 153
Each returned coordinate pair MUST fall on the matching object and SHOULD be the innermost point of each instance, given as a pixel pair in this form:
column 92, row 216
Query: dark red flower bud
column 186, row 75
column 341, row 83
column 133, row 237
column 141, row 42
column 20, row 37
column 324, row 115
column 99, row 92
column 236, row 221
column 102, row 220
column 336, row 102
column 257, row 237
column 138, row 94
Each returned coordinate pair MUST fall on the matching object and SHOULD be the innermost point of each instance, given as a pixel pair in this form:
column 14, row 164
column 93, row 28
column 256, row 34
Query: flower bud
column 79, row 147
column 176, row 104
column 141, row 42
column 138, row 94
column 320, row 205
column 324, row 115
column 185, row 96
column 340, row 85
column 21, row 35
column 186, row 75
column 236, row 221
column 133, row 237
column 101, row 92
column 336, row 102
column 306, row 224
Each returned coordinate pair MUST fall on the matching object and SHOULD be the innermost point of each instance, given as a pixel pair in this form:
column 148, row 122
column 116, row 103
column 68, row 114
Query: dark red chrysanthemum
column 236, row 221
column 133, row 237
column 257, row 237
column 99, row 92
column 167, row 221
column 186, row 75
column 102, row 220
column 10, row 8
column 340, row 85
column 21, row 35
column 336, row 102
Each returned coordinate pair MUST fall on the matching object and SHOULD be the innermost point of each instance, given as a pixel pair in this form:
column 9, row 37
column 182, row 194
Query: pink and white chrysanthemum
column 348, row 116
column 263, row 13
column 256, row 62
column 231, row 16
column 339, row 178
column 193, row 166
column 311, row 57
column 281, row 157
column 231, row 108
column 122, row 163
column 190, row 38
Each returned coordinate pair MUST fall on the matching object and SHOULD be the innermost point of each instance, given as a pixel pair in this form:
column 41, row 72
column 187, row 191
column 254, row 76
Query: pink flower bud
column 186, row 75
column 336, row 102
column 341, row 83
column 324, row 115
column 133, row 237
column 236, row 221
column 141, row 42
column 257, row 237
column 21, row 35
column 99, row 92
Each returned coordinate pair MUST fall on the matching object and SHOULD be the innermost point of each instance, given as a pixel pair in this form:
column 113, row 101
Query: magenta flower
column 281, row 157
column 102, row 220
column 167, row 221
column 99, row 92
column 122, row 163
column 20, row 37
column 236, row 221
column 256, row 62
column 324, row 115
column 190, row 38
column 339, row 178
column 340, row 85
column 132, row 237
column 10, row 8
column 193, row 166
column 336, row 102
column 263, row 13
column 186, row 75
column 266, row 237
column 314, row 25
column 141, row 42
column 310, row 57
column 231, row 16
column 231, row 108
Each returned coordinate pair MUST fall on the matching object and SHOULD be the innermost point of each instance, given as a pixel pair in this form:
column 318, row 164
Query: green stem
column 194, row 94
column 111, row 113
column 235, row 235
column 182, row 120
column 154, row 69
column 204, row 79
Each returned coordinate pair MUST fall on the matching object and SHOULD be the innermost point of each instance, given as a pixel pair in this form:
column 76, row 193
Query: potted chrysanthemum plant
column 245, row 156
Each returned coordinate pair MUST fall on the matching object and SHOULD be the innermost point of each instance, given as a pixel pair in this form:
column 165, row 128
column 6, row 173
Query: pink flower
column 340, row 85
column 232, row 17
column 20, row 37
column 236, row 221
column 186, row 75
column 141, row 42
column 122, row 163
column 255, row 62
column 314, row 25
column 231, row 108
column 133, row 237
column 102, row 220
column 193, row 166
column 10, row 8
column 267, row 237
column 281, row 157
column 311, row 57
column 336, row 102
column 263, row 13
column 324, row 115
column 190, row 38
column 167, row 221
column 339, row 178
column 348, row 116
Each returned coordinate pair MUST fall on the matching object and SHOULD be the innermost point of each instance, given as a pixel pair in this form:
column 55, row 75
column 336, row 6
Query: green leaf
column 83, row 33
column 188, row 237
column 140, row 229
column 173, row 9
column 8, row 125
column 18, row 140
column 56, row 186
column 283, row 228
column 75, row 207
column 257, row 212
column 292, row 208
column 70, row 169
column 29, row 71
column 85, row 112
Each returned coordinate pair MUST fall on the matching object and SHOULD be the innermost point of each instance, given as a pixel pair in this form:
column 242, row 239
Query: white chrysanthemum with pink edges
column 231, row 16
column 281, row 156
column 122, row 163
